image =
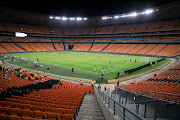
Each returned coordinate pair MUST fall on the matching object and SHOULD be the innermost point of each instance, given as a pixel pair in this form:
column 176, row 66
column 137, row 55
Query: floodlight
column 134, row 14
column 109, row 17
column 123, row 16
column 104, row 18
column 79, row 18
column 64, row 18
column 85, row 18
column 57, row 18
column 116, row 16
column 72, row 18
column 51, row 17
column 148, row 11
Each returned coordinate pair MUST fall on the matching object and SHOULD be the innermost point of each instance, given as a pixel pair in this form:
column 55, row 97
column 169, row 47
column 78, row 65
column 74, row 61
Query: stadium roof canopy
column 89, row 13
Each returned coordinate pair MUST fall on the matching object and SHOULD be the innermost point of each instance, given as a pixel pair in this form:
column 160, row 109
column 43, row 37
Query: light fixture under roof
column 79, row 18
column 72, row 18
column 64, row 18
column 57, row 18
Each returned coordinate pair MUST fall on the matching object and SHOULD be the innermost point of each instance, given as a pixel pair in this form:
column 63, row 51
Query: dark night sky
column 86, row 8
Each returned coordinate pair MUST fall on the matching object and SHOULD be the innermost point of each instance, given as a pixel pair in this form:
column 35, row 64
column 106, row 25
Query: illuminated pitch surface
column 83, row 63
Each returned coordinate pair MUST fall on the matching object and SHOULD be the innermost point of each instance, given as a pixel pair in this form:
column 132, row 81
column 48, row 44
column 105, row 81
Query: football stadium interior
column 124, row 66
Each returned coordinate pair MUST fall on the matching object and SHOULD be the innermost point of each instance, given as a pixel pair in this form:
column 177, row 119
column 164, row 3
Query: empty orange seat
column 3, row 110
column 26, row 113
column 38, row 114
column 34, row 103
column 3, row 117
column 37, row 108
column 63, row 106
column 59, row 110
column 8, row 104
column 66, row 117
column 17, row 101
column 73, row 107
column 14, row 111
column 17, row 105
column 52, row 116
column 47, row 109
column 27, row 107
column 14, row 118
column 1, row 103
column 43, row 104
column 27, row 118
column 53, row 105
column 70, row 111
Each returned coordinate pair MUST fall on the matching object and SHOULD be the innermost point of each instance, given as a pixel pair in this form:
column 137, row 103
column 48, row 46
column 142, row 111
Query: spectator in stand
column 0, row 68
column 23, row 69
column 99, row 87
column 5, row 76
column 44, row 74
column 134, row 81
column 36, row 76
column 37, row 80
column 118, row 83
column 167, row 78
column 60, row 81
column 92, row 83
column 105, row 88
column 17, row 74
column 32, row 73
column 155, row 74
column 81, row 82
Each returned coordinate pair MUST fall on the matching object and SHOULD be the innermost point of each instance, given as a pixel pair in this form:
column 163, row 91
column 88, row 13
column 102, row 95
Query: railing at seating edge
column 154, row 94
column 118, row 109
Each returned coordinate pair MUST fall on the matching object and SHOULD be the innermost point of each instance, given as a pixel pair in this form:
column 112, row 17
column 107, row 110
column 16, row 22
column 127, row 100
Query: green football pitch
column 85, row 64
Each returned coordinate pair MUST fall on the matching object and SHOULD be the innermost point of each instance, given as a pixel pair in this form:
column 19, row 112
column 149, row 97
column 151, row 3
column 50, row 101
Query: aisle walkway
column 89, row 109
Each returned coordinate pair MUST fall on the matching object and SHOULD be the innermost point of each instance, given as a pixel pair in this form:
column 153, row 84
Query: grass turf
column 83, row 63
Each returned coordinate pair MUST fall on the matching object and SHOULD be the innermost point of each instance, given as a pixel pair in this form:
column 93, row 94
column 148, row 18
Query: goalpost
column 144, row 60
column 40, row 51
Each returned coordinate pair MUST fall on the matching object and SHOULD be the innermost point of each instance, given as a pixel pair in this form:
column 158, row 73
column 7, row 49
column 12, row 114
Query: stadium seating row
column 102, row 40
column 153, row 26
column 46, row 104
column 165, row 86
column 147, row 49
column 13, row 80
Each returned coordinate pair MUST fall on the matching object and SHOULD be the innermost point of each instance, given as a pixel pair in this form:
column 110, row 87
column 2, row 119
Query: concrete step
column 94, row 114
column 89, row 109
column 89, row 118
column 90, row 105
column 89, row 102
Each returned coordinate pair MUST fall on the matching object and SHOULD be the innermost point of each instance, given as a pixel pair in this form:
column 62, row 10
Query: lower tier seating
column 165, row 86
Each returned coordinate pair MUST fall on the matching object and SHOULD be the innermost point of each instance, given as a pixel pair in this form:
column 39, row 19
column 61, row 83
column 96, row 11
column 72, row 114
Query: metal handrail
column 152, row 91
column 115, row 103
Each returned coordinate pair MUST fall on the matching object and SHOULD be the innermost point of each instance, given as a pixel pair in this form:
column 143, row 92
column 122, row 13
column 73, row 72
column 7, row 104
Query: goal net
column 40, row 51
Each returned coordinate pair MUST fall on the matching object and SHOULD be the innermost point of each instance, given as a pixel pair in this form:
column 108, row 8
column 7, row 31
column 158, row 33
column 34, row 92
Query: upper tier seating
column 152, row 26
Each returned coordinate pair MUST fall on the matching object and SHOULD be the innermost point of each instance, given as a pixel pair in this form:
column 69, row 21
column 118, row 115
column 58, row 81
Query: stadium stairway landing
column 89, row 109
